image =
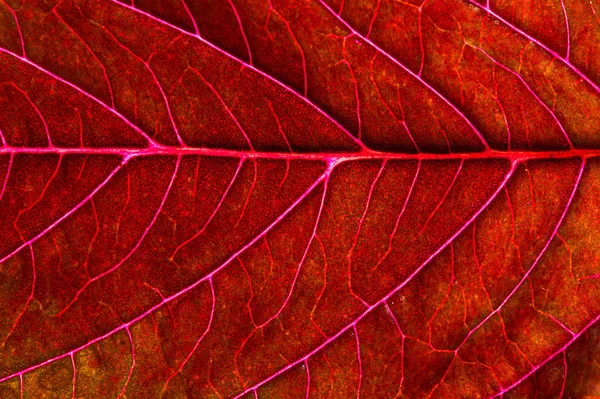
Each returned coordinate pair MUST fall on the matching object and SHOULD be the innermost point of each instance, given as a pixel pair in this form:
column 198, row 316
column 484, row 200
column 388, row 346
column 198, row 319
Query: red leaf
column 299, row 199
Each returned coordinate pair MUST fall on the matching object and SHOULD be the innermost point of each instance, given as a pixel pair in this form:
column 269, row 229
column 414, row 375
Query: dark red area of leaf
column 299, row 199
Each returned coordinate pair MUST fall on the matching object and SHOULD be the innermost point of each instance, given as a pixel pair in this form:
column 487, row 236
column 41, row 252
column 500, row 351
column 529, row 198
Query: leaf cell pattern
column 299, row 198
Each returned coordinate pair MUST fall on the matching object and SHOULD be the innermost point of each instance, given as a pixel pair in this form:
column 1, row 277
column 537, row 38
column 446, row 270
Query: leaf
column 325, row 198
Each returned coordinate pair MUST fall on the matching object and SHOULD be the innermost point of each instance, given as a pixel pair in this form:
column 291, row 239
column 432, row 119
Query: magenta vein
column 373, row 18
column 14, row 14
column 74, row 375
column 208, row 325
column 214, row 212
column 151, row 142
column 187, row 10
column 135, row 247
column 158, row 85
column 594, row 11
column 168, row 299
column 402, row 337
column 564, row 10
column 400, row 214
column 564, row 384
column 331, row 158
column 125, row 326
column 132, row 364
column 287, row 143
column 446, row 193
column 69, row 212
column 307, row 379
column 385, row 298
column 535, row 262
column 304, row 255
column 552, row 356
column 4, row 184
column 247, row 65
column 360, row 223
column 530, row 90
column 536, row 41
column 360, row 374
column 29, row 298
column 310, row 156
column 411, row 73
column 227, row 108
column 542, row 252
column 239, row 21
column 38, row 199
column 112, row 97
column 37, row 111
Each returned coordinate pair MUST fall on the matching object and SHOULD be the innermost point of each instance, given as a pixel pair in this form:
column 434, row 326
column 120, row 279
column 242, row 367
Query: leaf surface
column 292, row 199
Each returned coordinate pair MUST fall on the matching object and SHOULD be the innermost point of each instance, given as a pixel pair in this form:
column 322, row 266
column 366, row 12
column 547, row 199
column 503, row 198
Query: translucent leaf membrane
column 299, row 199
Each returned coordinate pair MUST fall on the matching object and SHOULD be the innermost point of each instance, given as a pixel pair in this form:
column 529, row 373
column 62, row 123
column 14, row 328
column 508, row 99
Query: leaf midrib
column 329, row 157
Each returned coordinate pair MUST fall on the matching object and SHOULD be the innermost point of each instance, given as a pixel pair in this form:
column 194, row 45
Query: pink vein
column 408, row 195
column 529, row 89
column 304, row 255
column 535, row 262
column 304, row 73
column 359, row 362
column 574, row 336
column 594, row 11
column 564, row 10
column 132, row 363
column 360, row 223
column 402, row 336
column 214, row 212
column 69, row 212
column 160, row 88
column 18, row 27
column 239, row 21
column 253, row 68
column 308, row 156
column 307, row 379
column 187, row 10
column 38, row 199
column 132, row 251
column 385, row 298
column 564, row 384
column 439, row 205
column 536, row 41
column 151, row 142
column 373, row 18
column 125, row 326
column 224, row 105
column 210, row 320
column 279, row 128
column 391, row 112
column 411, row 73
column 112, row 98
column 4, row 184
column 552, row 356
column 29, row 299
column 37, row 111
column 355, row 84
column 74, row 375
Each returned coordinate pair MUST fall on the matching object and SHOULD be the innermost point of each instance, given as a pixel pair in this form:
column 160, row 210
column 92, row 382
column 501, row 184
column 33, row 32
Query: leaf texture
column 299, row 199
